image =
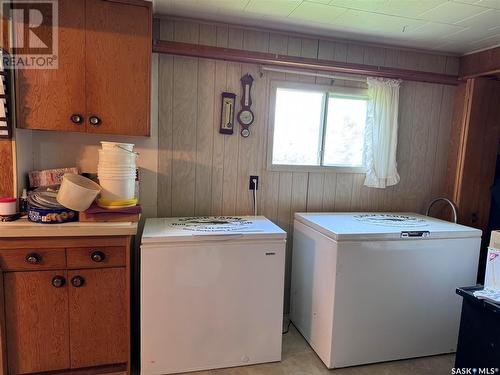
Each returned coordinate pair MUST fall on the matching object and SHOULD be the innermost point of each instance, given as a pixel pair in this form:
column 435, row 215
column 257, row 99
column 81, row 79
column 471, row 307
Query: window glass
column 297, row 127
column 345, row 131
column 319, row 128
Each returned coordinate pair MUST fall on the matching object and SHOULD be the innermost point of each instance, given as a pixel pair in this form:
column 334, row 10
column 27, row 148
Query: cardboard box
column 495, row 239
column 492, row 275
column 49, row 177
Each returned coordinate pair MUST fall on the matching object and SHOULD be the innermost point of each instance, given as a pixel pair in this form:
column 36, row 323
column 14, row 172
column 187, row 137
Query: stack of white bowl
column 117, row 171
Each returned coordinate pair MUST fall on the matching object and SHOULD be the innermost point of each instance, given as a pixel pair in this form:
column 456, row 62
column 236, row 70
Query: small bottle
column 137, row 184
column 23, row 204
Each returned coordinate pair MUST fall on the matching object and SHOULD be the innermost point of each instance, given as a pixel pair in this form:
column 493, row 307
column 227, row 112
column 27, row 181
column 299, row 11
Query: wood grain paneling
column 185, row 87
column 474, row 153
column 209, row 171
column 461, row 109
column 165, row 146
column 480, row 63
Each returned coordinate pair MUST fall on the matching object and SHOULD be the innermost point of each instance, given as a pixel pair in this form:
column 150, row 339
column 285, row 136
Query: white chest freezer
column 211, row 293
column 373, row 287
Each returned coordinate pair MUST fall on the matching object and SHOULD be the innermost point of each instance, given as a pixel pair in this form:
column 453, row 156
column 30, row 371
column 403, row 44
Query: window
column 317, row 127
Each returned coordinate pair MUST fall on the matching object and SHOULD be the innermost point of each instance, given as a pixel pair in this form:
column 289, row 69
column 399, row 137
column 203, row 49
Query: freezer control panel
column 416, row 234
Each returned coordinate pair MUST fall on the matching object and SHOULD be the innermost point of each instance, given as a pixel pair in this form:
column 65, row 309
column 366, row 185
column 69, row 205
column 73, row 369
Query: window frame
column 327, row 91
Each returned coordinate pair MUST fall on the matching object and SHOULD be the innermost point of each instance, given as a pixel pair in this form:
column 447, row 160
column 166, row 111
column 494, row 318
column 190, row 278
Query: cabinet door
column 48, row 98
column 98, row 310
column 118, row 63
column 36, row 315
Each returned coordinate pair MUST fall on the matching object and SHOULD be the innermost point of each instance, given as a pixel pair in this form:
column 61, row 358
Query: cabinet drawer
column 96, row 257
column 32, row 259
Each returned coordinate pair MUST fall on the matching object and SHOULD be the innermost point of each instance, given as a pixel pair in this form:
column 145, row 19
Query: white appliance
column 373, row 287
column 211, row 293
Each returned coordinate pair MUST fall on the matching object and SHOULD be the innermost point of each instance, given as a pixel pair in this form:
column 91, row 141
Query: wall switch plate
column 251, row 183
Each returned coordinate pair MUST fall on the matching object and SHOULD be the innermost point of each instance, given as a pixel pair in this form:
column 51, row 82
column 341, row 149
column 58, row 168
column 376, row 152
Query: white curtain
column 381, row 134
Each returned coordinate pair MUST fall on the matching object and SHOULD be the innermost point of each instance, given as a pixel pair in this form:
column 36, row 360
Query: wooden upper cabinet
column 118, row 63
column 104, row 71
column 46, row 99
column 36, row 317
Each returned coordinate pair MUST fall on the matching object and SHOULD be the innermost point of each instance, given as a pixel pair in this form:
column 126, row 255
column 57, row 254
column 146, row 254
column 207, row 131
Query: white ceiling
column 454, row 26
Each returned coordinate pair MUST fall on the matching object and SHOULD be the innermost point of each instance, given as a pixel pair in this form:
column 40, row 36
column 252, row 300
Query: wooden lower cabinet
column 74, row 317
column 97, row 318
column 37, row 325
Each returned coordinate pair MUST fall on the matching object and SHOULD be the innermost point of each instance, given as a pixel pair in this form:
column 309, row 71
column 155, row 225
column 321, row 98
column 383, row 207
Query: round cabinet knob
column 77, row 281
column 33, row 258
column 97, row 256
column 76, row 118
column 94, row 121
column 58, row 281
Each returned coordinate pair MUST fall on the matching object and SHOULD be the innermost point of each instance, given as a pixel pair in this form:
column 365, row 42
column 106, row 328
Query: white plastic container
column 122, row 157
column 117, row 164
column 8, row 206
column 116, row 173
column 116, row 188
column 77, row 192
column 117, row 150
column 116, row 176
column 118, row 167
column 109, row 168
column 116, row 145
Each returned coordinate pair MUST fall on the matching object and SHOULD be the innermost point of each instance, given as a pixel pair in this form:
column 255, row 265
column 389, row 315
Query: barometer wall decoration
column 245, row 115
column 227, row 113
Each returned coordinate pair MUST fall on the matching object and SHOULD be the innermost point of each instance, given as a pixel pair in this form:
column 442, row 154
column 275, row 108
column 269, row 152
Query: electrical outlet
column 251, row 185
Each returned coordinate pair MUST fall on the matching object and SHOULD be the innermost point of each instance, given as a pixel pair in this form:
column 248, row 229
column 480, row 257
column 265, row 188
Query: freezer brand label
column 391, row 220
column 212, row 224
column 416, row 234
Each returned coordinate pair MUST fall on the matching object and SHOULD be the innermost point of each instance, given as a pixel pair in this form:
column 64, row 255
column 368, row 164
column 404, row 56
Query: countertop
column 25, row 228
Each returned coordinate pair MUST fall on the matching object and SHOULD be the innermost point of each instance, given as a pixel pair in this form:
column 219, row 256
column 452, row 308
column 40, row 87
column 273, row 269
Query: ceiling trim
column 481, row 50
column 285, row 61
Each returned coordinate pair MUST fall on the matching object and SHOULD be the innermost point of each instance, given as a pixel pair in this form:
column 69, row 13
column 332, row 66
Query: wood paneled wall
column 202, row 172
column 480, row 63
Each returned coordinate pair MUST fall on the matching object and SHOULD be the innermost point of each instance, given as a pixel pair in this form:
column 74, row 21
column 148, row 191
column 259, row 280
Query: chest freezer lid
column 383, row 225
column 177, row 229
